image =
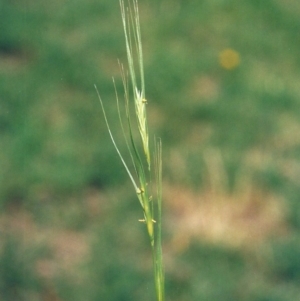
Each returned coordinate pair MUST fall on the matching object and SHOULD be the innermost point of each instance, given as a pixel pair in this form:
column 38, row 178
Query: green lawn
column 222, row 82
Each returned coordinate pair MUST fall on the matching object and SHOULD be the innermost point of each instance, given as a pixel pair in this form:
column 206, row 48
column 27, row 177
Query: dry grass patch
column 242, row 219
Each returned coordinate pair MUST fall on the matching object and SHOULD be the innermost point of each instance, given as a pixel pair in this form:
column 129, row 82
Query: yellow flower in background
column 229, row 58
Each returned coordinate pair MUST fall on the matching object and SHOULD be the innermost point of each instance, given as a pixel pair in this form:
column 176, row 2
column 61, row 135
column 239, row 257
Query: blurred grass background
column 222, row 81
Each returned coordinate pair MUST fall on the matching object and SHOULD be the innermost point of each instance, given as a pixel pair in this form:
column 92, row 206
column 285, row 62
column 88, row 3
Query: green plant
column 18, row 281
column 143, row 165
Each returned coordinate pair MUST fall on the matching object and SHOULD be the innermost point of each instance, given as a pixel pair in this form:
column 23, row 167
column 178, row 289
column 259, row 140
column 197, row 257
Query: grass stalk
column 151, row 202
